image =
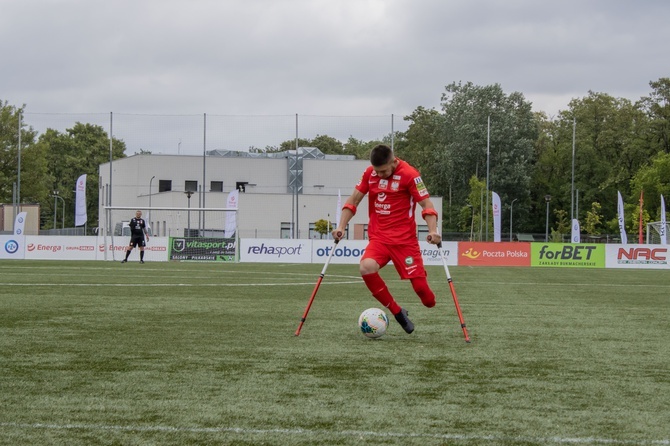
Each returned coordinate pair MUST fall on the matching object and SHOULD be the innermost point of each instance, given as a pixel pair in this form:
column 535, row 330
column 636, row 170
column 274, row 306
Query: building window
column 164, row 185
column 190, row 186
column 285, row 230
column 423, row 231
column 241, row 186
column 216, row 186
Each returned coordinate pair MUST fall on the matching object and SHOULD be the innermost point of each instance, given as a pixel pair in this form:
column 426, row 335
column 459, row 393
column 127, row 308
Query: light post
column 547, row 198
column 56, row 197
column 510, row 218
column 472, row 221
column 188, row 195
column 152, row 178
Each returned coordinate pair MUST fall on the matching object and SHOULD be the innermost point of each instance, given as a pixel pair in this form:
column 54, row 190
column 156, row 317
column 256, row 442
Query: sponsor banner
column 431, row 253
column 346, row 251
column 61, row 248
column 494, row 253
column 351, row 251
column 568, row 255
column 276, row 250
column 637, row 256
column 20, row 222
column 89, row 248
column 203, row 249
column 155, row 251
column 12, row 246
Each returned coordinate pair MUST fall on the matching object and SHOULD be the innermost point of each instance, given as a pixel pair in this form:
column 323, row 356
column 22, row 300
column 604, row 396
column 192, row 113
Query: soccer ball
column 373, row 322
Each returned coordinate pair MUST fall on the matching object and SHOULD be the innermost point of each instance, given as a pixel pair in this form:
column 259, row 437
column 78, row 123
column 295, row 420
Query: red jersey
column 392, row 202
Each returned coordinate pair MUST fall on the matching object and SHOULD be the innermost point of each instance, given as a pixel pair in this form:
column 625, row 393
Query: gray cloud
column 350, row 57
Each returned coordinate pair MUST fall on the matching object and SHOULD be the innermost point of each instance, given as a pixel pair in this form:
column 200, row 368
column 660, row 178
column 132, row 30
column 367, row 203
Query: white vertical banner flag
column 496, row 216
column 338, row 211
column 20, row 223
column 622, row 221
column 80, row 216
column 663, row 232
column 575, row 236
column 231, row 217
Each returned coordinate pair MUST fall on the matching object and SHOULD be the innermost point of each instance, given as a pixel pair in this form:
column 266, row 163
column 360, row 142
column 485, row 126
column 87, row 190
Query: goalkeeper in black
column 138, row 230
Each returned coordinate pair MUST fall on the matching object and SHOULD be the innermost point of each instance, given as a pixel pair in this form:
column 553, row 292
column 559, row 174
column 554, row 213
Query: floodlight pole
column 510, row 218
column 547, row 198
column 152, row 178
column 56, row 197
column 188, row 195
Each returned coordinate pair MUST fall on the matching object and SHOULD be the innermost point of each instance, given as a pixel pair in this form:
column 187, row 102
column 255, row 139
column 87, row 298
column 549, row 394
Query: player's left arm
column 429, row 214
column 420, row 193
column 146, row 230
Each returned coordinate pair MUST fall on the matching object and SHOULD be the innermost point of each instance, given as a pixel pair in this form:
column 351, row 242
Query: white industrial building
column 281, row 195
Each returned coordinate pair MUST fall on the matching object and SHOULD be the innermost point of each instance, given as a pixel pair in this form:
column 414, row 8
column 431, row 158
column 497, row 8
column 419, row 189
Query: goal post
column 655, row 230
column 196, row 234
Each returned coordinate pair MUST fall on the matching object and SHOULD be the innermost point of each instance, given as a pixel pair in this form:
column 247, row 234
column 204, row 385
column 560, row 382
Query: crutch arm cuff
column 428, row 212
column 351, row 207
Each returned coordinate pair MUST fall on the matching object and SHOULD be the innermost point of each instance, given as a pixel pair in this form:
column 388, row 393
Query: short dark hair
column 380, row 155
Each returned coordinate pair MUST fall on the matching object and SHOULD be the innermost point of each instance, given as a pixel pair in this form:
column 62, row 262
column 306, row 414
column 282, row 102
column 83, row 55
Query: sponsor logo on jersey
column 383, row 184
column 420, row 186
column 396, row 177
column 381, row 197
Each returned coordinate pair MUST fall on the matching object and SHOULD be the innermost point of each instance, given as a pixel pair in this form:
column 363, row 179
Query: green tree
column 327, row 144
column 323, row 226
column 462, row 148
column 654, row 180
column 610, row 148
column 34, row 181
column 359, row 148
column 562, row 222
column 657, row 108
column 473, row 214
column 594, row 220
column 80, row 150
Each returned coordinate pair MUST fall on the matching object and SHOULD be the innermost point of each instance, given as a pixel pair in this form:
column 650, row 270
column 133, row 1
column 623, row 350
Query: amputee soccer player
column 138, row 229
column 394, row 189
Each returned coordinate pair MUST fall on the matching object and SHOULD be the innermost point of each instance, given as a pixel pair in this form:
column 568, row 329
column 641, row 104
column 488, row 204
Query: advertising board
column 637, row 256
column 276, row 250
column 494, row 254
column 568, row 255
column 211, row 249
column 12, row 246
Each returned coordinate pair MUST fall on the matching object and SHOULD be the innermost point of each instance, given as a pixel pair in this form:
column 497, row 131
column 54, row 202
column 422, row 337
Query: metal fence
column 196, row 134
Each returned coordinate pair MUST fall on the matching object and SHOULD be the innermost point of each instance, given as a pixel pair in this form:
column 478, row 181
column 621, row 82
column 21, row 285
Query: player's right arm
column 348, row 212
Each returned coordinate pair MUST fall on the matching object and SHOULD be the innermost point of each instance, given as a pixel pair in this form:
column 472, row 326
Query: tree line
column 480, row 136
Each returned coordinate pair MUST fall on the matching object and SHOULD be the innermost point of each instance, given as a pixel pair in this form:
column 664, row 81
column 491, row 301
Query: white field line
column 345, row 433
column 326, row 281
column 134, row 285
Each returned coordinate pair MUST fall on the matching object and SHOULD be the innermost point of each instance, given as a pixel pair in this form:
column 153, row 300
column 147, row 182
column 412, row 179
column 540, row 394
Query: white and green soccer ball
column 373, row 322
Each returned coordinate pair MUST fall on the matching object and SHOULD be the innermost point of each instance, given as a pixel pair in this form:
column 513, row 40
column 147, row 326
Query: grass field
column 101, row 353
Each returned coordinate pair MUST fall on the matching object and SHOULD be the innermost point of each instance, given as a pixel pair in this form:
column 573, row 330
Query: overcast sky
column 314, row 57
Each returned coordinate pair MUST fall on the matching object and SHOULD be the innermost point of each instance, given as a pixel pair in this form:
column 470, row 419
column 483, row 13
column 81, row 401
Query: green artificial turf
column 102, row 353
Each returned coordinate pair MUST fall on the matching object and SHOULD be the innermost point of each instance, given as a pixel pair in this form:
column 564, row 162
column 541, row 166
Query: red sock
column 380, row 291
column 421, row 288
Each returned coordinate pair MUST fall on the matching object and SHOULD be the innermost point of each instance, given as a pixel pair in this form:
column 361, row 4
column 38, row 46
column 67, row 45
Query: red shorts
column 407, row 259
